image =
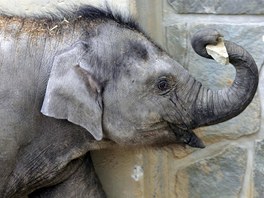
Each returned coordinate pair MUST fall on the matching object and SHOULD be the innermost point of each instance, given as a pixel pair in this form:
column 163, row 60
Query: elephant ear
column 73, row 93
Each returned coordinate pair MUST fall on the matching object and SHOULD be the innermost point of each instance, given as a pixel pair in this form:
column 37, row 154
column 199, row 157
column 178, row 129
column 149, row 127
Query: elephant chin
column 187, row 137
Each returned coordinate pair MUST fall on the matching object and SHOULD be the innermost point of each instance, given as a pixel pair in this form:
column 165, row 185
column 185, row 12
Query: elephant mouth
column 186, row 136
column 181, row 135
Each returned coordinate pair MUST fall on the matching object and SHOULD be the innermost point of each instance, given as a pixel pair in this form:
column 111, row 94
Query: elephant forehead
column 159, row 65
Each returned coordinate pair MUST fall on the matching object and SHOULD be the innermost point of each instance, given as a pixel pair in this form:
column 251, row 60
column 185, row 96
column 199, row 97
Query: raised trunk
column 211, row 107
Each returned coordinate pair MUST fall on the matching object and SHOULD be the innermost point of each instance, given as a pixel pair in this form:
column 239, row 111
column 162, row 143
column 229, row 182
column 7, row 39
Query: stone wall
column 232, row 164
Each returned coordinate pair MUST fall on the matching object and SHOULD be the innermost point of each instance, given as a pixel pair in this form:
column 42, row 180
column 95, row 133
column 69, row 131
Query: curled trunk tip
column 212, row 107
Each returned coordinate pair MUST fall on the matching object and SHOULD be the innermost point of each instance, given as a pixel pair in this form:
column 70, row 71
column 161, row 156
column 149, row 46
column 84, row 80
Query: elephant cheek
column 117, row 129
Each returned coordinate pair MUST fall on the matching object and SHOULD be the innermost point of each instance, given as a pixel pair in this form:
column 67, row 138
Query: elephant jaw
column 187, row 137
column 167, row 132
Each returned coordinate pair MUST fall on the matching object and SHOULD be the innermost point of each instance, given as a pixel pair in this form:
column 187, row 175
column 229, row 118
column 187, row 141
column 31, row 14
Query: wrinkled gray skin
column 77, row 88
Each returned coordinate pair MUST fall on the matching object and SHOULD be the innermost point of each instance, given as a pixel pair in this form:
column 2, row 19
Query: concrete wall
column 39, row 7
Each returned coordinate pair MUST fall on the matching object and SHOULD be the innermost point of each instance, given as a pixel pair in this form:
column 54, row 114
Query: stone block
column 220, row 175
column 120, row 171
column 232, row 7
column 258, row 174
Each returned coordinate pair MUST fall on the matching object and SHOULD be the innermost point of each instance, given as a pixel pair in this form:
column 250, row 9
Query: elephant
column 93, row 79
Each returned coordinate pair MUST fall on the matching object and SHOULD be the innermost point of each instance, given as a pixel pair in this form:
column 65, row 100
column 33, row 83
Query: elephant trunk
column 212, row 107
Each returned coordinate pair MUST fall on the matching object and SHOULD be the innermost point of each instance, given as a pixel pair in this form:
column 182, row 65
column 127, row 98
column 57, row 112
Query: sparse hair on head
column 93, row 13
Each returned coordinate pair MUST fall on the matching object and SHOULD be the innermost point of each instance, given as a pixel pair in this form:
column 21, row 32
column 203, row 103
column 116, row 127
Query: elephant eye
column 163, row 85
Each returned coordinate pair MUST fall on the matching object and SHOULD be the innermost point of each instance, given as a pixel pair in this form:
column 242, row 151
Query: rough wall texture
column 232, row 164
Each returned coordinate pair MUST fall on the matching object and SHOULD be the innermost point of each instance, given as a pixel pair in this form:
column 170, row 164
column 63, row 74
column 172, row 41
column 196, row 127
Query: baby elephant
column 92, row 81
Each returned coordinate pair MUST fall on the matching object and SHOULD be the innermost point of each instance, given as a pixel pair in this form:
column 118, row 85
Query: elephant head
column 119, row 85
